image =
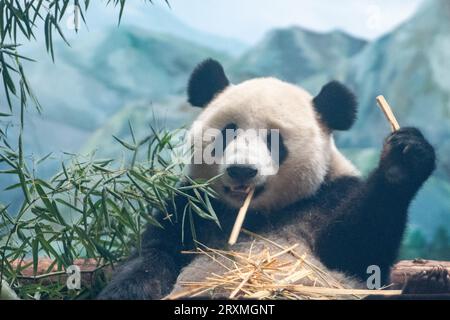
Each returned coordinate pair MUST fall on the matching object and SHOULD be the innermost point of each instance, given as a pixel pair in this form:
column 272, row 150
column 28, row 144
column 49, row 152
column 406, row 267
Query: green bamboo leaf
column 125, row 144
column 49, row 250
column 200, row 212
column 44, row 158
column 104, row 207
column 35, row 251
column 51, row 206
column 67, row 204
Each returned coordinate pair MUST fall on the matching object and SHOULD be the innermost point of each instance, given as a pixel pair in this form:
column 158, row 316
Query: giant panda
column 315, row 197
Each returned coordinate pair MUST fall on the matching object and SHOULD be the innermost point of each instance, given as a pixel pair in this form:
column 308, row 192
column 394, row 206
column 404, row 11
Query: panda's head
column 268, row 135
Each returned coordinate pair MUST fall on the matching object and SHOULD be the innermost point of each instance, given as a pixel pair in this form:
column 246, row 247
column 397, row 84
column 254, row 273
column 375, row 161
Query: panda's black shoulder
column 342, row 184
column 331, row 193
column 324, row 202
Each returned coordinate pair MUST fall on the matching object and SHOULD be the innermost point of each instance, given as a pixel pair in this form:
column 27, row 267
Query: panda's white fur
column 269, row 103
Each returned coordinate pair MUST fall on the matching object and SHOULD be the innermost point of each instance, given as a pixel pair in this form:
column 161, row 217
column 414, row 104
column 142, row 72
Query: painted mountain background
column 138, row 73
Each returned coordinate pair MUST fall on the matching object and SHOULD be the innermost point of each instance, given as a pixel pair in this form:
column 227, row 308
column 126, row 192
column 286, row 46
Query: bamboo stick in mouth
column 241, row 217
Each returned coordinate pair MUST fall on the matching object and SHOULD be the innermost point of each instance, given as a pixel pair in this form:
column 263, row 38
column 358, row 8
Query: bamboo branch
column 387, row 110
column 240, row 218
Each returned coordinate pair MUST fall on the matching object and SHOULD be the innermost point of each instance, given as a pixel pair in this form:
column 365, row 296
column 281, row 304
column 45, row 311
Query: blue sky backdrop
column 248, row 20
column 112, row 75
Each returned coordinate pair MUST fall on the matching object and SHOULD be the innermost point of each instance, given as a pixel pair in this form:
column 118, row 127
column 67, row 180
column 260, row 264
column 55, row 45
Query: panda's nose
column 241, row 173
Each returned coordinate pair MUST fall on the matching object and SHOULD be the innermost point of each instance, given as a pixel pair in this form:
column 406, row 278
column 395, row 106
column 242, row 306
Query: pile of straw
column 269, row 274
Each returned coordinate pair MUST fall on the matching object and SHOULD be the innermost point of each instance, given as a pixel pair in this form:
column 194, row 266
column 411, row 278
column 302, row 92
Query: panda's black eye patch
column 283, row 151
column 228, row 134
column 231, row 127
column 276, row 146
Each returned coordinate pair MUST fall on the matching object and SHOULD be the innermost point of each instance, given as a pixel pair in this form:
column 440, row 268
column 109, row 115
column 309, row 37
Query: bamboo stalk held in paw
column 388, row 113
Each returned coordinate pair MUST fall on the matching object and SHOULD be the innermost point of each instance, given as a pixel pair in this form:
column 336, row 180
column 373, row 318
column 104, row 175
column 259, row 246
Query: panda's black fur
column 350, row 223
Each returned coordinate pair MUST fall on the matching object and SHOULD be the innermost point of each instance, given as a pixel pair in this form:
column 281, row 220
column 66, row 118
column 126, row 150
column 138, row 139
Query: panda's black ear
column 337, row 106
column 207, row 80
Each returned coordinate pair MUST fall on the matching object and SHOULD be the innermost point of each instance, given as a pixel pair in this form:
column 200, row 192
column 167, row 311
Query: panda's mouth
column 240, row 191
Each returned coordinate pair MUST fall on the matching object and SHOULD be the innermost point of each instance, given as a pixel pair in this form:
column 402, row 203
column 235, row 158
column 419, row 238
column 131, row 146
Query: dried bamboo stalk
column 387, row 110
column 240, row 218
column 270, row 274
column 333, row 291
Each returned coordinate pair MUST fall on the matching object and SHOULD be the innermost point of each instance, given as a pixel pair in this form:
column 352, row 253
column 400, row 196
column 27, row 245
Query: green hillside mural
column 135, row 76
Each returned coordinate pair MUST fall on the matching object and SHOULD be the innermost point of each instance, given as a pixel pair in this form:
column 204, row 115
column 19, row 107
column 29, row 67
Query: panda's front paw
column 407, row 157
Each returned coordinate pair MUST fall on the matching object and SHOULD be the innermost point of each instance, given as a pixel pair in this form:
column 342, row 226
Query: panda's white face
column 274, row 137
column 263, row 106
